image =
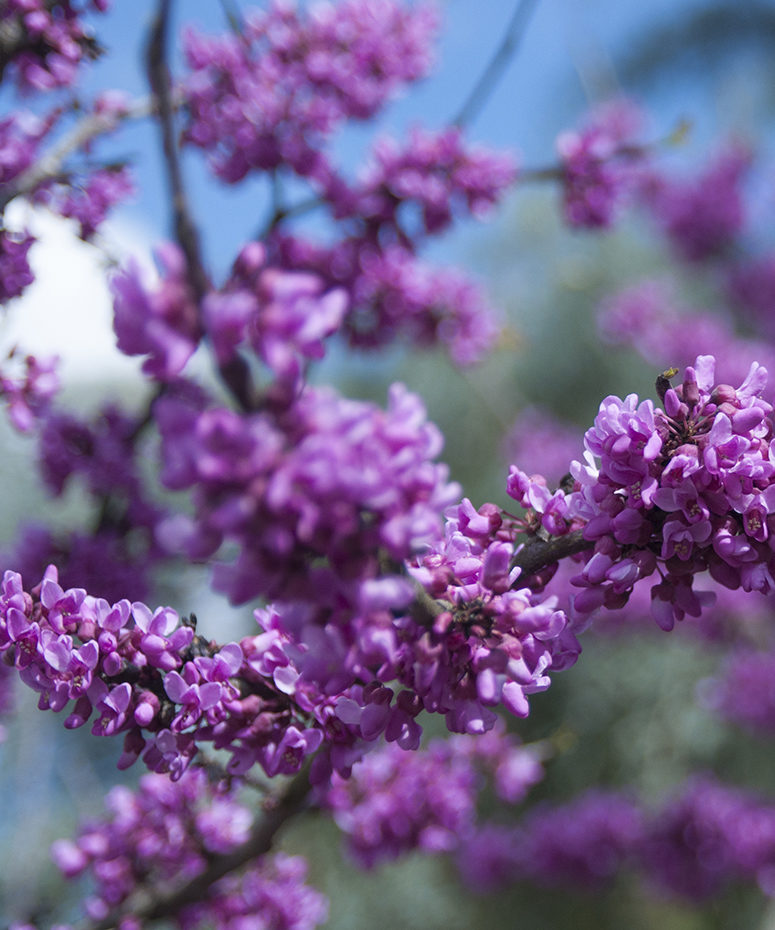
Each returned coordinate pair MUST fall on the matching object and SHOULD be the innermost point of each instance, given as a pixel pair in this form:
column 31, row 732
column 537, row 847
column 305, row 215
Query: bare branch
column 540, row 553
column 235, row 373
column 497, row 64
column 50, row 165
column 159, row 78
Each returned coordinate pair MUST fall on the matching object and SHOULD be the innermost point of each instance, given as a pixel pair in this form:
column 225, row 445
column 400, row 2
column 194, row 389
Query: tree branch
column 497, row 64
column 235, row 373
column 159, row 78
column 49, row 166
column 539, row 553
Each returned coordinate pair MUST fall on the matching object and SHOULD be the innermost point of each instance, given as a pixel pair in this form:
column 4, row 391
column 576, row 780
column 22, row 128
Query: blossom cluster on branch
column 384, row 596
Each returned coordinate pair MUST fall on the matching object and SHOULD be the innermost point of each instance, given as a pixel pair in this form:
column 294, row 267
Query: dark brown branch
column 159, row 78
column 235, row 373
column 540, row 553
column 497, row 64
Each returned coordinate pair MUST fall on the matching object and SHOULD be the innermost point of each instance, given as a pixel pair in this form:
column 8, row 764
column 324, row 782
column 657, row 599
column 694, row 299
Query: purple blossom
column 751, row 285
column 396, row 802
column 599, row 165
column 743, row 690
column 274, row 890
column 649, row 317
column 29, row 395
column 498, row 641
column 284, row 316
column 89, row 199
column 274, row 94
column 393, row 294
column 56, row 41
column 299, row 488
column 130, row 847
column 15, row 271
column 702, row 217
column 705, row 461
column 583, row 843
column 435, row 172
column 162, row 323
column 710, row 835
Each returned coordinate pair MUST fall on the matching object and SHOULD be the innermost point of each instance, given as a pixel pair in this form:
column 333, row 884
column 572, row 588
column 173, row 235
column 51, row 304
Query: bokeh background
column 628, row 714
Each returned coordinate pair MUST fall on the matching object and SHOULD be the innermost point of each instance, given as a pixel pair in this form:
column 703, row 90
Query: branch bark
column 540, row 553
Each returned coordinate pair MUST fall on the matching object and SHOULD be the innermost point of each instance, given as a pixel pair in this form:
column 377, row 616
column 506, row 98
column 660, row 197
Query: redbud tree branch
column 154, row 904
column 186, row 232
column 235, row 373
column 539, row 553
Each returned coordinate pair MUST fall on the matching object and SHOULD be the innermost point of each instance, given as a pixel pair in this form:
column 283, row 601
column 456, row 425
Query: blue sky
column 567, row 58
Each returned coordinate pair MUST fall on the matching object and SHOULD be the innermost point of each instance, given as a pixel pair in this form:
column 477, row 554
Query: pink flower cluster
column 394, row 803
column 311, row 496
column 141, row 670
column 111, row 560
column 54, row 41
column 88, row 199
column 742, row 691
column 437, row 173
column 695, row 846
column 29, row 393
column 702, row 217
column 283, row 316
column 333, row 64
column 164, row 323
column 133, row 845
column 751, row 288
column 495, row 642
column 20, row 137
column 600, row 165
column 15, row 271
column 682, row 490
column 270, row 96
column 395, row 294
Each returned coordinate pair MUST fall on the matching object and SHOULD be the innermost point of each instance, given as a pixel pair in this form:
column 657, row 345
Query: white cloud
column 67, row 311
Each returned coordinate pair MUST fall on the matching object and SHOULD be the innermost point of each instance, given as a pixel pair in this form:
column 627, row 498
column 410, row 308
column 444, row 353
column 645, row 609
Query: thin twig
column 281, row 213
column 50, row 165
column 234, row 373
column 159, row 78
column 497, row 64
column 233, row 16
